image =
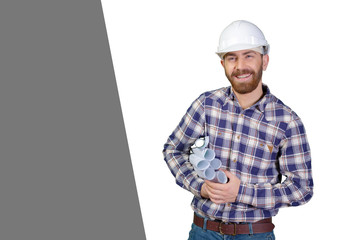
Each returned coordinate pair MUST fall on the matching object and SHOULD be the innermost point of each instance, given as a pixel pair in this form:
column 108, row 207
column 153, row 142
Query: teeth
column 243, row 76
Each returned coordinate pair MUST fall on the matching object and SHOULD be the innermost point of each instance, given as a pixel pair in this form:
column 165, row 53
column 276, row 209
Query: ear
column 265, row 61
column 222, row 63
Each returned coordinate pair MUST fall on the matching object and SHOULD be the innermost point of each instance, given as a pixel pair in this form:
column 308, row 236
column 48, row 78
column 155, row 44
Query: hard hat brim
column 240, row 47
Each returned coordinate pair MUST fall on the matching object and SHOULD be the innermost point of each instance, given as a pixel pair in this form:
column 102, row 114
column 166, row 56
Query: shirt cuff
column 195, row 187
column 246, row 194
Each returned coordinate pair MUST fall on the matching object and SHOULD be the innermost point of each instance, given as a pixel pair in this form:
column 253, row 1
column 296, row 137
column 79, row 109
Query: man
column 261, row 142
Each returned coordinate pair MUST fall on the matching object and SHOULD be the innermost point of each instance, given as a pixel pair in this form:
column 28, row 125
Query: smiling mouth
column 243, row 77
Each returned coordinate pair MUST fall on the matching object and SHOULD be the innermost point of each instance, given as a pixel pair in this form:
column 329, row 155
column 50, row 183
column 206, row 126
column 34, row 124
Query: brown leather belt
column 261, row 226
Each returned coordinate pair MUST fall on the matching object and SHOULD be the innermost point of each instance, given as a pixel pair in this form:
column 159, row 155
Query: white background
column 164, row 57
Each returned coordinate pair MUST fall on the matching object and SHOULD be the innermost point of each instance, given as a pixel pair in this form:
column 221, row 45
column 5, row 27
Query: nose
column 240, row 64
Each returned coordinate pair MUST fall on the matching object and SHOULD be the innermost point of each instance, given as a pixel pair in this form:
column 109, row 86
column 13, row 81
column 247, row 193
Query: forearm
column 292, row 192
column 181, row 168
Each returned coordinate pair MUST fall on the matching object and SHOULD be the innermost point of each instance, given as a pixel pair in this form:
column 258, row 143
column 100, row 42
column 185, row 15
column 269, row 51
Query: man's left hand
column 223, row 193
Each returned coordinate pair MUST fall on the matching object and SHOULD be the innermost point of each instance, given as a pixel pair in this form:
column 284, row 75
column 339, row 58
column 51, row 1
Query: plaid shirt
column 259, row 145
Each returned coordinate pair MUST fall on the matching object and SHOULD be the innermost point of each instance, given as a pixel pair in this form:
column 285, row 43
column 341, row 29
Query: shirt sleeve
column 295, row 165
column 177, row 147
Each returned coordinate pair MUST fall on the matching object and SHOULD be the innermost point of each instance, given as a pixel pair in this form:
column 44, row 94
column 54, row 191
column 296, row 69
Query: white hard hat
column 241, row 35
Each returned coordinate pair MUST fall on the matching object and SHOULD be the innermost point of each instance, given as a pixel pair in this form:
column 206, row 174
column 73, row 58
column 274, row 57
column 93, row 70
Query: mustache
column 238, row 72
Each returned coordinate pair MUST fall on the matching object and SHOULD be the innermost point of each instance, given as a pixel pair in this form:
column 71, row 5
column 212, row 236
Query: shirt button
column 228, row 204
column 234, row 160
column 238, row 137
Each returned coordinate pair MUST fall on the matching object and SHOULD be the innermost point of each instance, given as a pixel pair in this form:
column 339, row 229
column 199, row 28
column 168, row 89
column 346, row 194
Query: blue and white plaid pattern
column 260, row 145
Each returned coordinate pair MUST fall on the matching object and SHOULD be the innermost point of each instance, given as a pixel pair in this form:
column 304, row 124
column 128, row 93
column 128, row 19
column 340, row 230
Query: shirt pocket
column 257, row 156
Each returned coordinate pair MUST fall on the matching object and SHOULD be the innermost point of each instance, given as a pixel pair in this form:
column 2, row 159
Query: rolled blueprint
column 215, row 163
column 220, row 177
column 199, row 162
column 205, row 153
column 204, row 162
column 208, row 173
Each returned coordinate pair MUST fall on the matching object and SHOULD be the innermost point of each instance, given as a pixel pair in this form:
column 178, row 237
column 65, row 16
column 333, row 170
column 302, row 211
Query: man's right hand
column 221, row 193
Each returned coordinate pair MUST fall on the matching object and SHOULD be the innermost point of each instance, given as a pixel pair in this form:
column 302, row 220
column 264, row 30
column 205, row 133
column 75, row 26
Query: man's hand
column 221, row 193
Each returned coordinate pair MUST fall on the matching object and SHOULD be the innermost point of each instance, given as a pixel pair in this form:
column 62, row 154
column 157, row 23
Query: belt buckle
column 220, row 230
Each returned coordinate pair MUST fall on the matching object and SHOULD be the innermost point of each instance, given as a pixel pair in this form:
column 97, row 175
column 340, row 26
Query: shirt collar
column 259, row 105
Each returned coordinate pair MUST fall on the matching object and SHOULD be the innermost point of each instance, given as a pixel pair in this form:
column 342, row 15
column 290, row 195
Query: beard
column 245, row 87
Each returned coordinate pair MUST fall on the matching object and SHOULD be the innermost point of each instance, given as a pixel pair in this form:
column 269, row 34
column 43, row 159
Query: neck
column 248, row 99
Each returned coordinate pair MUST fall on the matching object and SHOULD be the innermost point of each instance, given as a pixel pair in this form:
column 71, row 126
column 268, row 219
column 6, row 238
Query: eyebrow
column 230, row 54
column 245, row 53
column 250, row 51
